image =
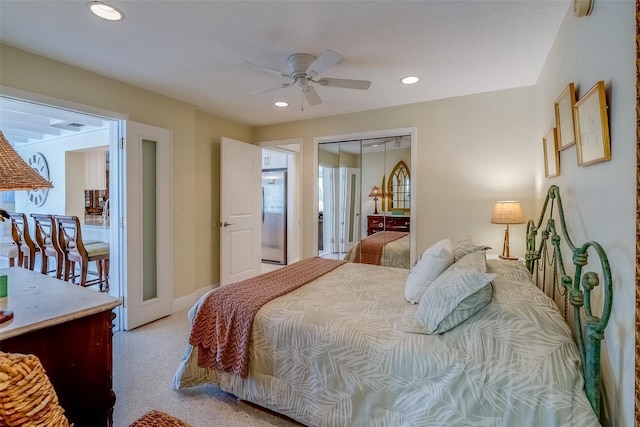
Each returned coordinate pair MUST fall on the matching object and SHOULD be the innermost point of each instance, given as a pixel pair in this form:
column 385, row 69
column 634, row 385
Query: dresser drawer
column 377, row 223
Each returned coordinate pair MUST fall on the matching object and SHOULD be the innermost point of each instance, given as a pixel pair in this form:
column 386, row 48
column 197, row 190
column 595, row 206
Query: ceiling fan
column 303, row 68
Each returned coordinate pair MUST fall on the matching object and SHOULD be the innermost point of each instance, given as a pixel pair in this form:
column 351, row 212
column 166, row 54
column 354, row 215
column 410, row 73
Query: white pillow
column 450, row 299
column 431, row 264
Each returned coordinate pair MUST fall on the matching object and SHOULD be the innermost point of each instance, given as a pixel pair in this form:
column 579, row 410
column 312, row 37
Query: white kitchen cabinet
column 96, row 170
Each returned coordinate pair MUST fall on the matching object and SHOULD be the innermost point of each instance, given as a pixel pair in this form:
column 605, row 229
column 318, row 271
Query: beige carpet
column 144, row 361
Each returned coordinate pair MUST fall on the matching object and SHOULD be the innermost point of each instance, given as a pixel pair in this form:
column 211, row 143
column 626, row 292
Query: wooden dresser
column 69, row 328
column 377, row 223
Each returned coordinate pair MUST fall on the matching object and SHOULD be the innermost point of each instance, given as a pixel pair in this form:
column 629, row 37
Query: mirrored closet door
column 365, row 190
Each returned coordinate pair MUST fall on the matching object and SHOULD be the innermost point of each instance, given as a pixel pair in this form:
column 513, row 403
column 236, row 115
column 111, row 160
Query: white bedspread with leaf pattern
column 335, row 353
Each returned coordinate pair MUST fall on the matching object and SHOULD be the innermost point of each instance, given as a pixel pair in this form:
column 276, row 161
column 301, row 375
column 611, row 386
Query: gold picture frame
column 551, row 154
column 565, row 125
column 592, row 138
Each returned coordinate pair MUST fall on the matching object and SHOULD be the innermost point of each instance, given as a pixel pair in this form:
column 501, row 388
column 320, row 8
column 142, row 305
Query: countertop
column 96, row 226
column 39, row 301
column 96, row 221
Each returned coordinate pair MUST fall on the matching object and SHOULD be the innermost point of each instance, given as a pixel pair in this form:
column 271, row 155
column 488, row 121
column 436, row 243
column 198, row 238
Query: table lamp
column 15, row 174
column 375, row 193
column 507, row 212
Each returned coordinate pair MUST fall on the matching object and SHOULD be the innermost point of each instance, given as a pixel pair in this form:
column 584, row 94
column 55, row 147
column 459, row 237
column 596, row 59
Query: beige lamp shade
column 15, row 173
column 375, row 192
column 507, row 212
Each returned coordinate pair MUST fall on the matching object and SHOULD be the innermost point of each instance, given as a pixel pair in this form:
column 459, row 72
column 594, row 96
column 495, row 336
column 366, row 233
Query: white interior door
column 147, row 224
column 329, row 224
column 350, row 207
column 240, row 211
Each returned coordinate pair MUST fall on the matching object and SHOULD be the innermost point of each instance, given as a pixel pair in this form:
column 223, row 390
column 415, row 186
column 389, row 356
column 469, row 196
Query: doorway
column 79, row 149
column 90, row 169
column 278, row 174
column 287, row 154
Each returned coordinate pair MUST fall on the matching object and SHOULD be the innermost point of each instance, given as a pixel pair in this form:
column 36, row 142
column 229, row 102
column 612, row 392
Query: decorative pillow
column 431, row 264
column 474, row 261
column 467, row 308
column 465, row 246
column 441, row 307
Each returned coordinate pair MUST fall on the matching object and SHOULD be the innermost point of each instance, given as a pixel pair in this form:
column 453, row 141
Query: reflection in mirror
column 399, row 190
column 348, row 172
column 339, row 197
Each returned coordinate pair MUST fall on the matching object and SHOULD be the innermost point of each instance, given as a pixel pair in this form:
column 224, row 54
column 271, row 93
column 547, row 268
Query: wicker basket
column 27, row 397
column 158, row 419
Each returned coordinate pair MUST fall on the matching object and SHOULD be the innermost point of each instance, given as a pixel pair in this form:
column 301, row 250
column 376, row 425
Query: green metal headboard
column 589, row 337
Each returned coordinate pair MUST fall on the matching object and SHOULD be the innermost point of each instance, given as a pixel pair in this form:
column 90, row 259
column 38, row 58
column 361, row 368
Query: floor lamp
column 507, row 212
column 15, row 174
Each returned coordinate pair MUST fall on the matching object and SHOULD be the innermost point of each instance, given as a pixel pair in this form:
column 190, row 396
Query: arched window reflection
column 399, row 189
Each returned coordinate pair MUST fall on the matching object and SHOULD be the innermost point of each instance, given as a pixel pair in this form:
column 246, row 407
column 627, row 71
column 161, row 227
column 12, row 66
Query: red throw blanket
column 369, row 250
column 222, row 329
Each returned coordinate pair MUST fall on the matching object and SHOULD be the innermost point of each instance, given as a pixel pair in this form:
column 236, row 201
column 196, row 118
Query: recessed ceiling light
column 105, row 11
column 409, row 80
column 281, row 104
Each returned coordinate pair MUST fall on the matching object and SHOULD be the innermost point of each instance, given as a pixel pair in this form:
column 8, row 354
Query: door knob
column 226, row 224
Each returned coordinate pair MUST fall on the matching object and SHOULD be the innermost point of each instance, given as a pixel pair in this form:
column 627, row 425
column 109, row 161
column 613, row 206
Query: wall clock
column 582, row 7
column 39, row 163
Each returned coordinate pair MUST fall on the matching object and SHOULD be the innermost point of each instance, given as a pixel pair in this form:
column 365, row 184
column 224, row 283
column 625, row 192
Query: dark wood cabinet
column 77, row 357
column 69, row 328
column 377, row 223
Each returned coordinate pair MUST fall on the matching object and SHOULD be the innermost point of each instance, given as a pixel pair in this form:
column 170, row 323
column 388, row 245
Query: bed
column 349, row 348
column 387, row 248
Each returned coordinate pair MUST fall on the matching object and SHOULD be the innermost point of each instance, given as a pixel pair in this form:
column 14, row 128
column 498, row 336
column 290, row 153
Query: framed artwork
column 551, row 154
column 564, row 117
column 592, row 127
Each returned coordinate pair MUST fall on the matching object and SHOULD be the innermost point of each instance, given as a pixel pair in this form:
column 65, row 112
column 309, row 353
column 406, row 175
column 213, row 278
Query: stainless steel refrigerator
column 274, row 216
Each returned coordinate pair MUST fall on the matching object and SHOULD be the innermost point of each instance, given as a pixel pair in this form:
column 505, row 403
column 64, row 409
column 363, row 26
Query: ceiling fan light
column 410, row 80
column 105, row 11
column 281, row 104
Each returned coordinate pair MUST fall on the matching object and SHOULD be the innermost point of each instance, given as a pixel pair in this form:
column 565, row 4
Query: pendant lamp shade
column 15, row 173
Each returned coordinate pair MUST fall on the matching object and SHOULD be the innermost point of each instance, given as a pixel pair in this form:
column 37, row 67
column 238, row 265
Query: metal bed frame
column 537, row 258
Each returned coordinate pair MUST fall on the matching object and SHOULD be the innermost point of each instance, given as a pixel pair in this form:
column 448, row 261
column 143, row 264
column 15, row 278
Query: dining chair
column 47, row 240
column 27, row 249
column 82, row 253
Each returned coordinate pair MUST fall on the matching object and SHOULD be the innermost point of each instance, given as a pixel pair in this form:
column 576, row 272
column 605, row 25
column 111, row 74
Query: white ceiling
column 196, row 51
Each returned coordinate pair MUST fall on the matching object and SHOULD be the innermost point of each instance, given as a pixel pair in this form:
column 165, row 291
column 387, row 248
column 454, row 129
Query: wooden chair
column 47, row 240
column 27, row 249
column 77, row 251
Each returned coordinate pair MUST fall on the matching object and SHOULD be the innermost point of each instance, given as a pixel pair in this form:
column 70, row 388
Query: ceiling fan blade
column 326, row 60
column 271, row 89
column 345, row 83
column 271, row 70
column 312, row 96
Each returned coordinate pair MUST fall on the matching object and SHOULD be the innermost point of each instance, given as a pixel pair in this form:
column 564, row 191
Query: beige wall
column 600, row 199
column 195, row 257
column 471, row 151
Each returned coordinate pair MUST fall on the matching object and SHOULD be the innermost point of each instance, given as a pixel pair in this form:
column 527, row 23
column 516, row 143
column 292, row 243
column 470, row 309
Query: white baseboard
column 187, row 301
